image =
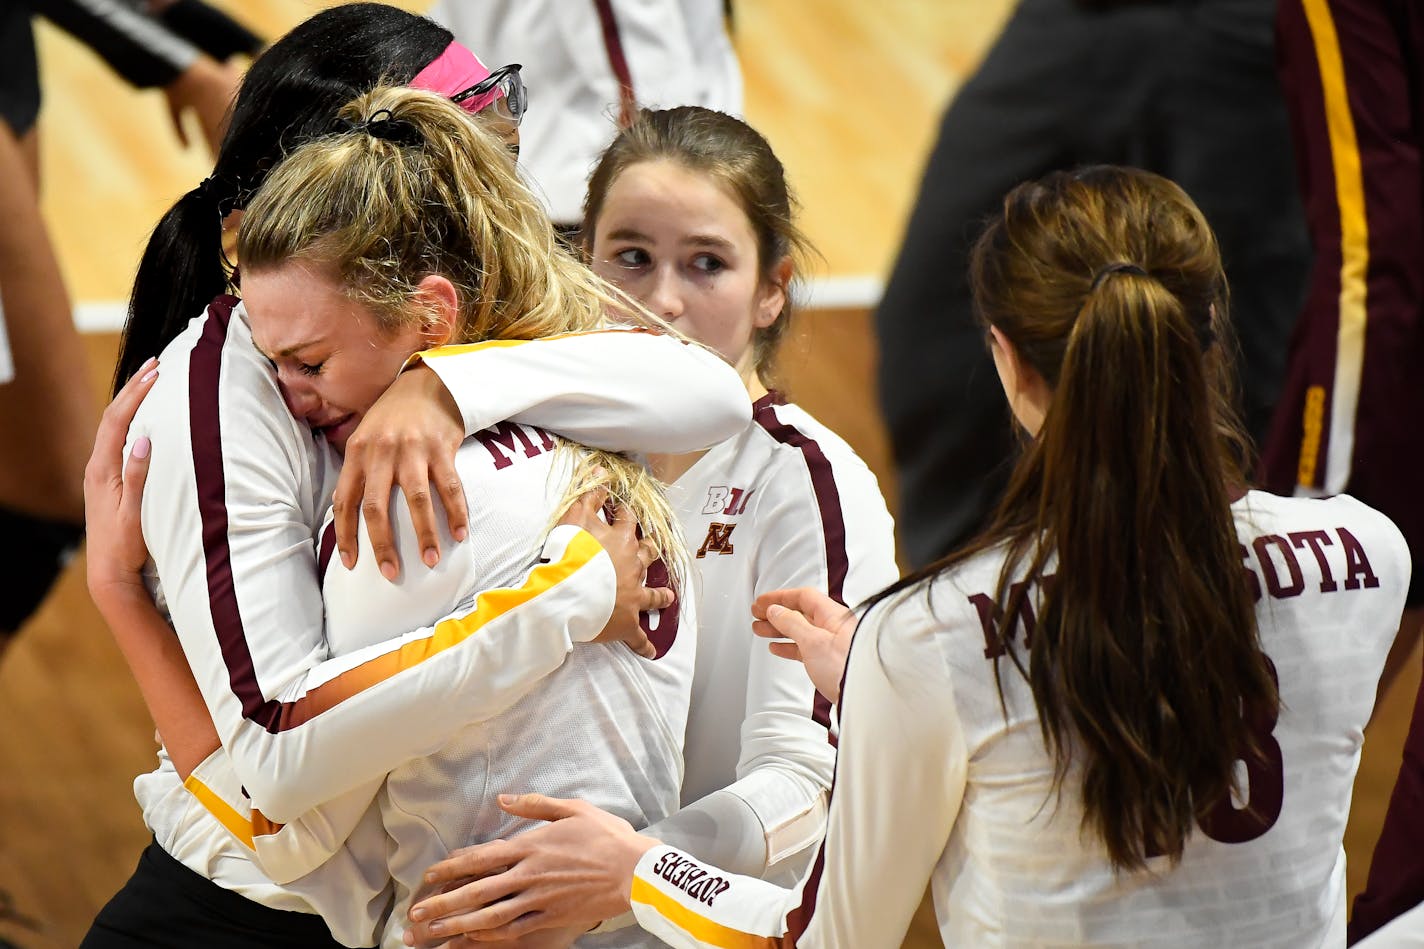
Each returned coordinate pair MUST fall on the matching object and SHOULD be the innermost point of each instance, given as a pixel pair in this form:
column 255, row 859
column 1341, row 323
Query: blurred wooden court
column 849, row 97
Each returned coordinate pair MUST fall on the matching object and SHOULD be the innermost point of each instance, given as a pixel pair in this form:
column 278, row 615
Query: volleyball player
column 247, row 508
column 689, row 212
column 1129, row 712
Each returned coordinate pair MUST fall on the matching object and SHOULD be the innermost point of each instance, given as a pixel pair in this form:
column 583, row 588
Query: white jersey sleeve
column 817, row 519
column 622, row 389
column 228, row 517
column 283, row 852
column 870, row 873
column 363, row 611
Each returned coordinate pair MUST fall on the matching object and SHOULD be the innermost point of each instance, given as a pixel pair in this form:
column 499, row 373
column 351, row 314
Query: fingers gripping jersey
column 935, row 782
column 229, row 516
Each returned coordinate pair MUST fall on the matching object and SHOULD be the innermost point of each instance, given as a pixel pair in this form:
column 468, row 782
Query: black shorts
column 164, row 904
column 48, row 544
column 19, row 70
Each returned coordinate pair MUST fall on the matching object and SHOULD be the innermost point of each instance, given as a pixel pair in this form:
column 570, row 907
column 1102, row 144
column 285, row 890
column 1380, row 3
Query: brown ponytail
column 1108, row 282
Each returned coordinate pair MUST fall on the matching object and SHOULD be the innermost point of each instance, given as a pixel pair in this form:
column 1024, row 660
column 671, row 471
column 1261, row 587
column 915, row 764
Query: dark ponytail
column 291, row 93
column 180, row 271
column 1108, row 284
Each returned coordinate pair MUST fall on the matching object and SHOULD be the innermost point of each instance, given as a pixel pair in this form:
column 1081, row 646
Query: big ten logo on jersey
column 728, row 502
column 724, row 500
column 509, row 441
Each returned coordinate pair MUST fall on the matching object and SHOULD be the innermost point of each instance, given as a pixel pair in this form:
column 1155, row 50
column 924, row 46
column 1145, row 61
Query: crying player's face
column 332, row 358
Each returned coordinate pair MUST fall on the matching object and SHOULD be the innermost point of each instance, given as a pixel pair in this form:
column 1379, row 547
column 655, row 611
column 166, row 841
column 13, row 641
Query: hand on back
column 113, row 490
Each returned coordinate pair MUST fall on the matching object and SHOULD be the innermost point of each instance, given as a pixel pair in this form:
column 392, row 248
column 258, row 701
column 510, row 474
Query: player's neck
column 669, row 468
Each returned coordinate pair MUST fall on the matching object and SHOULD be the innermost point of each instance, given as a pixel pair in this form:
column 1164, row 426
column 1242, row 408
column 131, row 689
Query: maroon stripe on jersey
column 204, row 378
column 828, row 500
column 799, row 918
column 328, row 547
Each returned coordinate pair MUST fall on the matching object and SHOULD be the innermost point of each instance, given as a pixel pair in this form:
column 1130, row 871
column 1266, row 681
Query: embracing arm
column 115, row 558
column 617, row 389
column 116, row 555
column 899, row 783
column 230, row 507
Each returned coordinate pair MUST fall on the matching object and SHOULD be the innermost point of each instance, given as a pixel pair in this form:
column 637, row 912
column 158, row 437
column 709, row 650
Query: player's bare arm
column 115, row 556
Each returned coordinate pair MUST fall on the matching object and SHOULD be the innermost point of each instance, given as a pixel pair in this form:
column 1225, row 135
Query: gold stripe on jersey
column 1354, row 251
column 459, row 349
column 448, row 633
column 242, row 828
column 697, row 926
column 581, row 550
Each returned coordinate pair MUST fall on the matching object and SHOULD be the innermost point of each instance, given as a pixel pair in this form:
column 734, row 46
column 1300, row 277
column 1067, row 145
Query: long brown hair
column 738, row 158
column 1108, row 282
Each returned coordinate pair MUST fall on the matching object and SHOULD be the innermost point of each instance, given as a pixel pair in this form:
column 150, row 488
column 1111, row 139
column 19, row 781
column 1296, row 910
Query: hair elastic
column 383, row 125
column 456, row 70
column 1119, row 267
column 223, row 193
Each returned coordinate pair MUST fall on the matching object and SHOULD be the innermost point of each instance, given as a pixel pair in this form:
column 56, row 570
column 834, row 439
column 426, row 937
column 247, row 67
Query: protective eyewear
column 510, row 102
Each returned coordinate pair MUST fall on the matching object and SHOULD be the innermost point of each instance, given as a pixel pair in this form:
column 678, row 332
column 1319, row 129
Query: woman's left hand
column 115, row 551
column 576, row 871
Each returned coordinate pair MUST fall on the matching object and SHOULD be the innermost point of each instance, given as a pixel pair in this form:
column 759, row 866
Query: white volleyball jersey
column 786, row 503
column 230, row 507
column 937, row 782
column 606, row 726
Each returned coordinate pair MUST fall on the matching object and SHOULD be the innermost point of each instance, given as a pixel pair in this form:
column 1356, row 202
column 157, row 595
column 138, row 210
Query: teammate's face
column 332, row 359
column 681, row 245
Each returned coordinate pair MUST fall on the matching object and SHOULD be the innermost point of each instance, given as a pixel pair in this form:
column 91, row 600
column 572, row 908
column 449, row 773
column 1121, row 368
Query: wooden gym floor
column 76, row 732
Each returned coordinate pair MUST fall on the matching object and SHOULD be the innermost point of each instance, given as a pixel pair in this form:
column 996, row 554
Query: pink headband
column 454, row 71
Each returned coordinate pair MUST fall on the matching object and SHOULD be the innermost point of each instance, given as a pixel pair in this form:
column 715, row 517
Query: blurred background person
column 1351, row 71
column 589, row 64
column 47, row 409
column 1186, row 89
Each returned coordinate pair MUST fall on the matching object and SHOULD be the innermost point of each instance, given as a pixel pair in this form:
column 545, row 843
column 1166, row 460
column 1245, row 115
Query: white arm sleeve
column 228, row 514
column 899, row 784
column 352, row 715
column 824, row 526
column 618, row 389
column 283, row 852
column 362, row 607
